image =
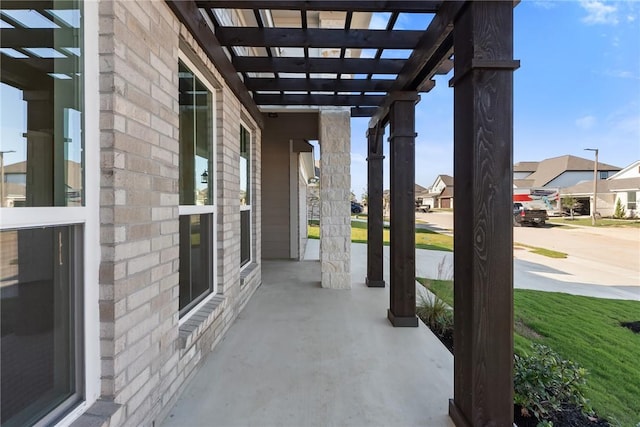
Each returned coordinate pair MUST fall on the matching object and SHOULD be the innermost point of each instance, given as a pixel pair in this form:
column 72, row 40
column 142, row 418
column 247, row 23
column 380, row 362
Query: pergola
column 480, row 34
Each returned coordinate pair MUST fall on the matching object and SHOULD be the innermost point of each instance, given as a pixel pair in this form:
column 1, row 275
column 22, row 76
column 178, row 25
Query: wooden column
column 402, row 311
column 375, row 214
column 483, row 242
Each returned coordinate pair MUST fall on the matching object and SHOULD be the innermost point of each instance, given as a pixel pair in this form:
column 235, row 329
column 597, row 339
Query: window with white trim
column 245, row 196
column 197, row 190
column 44, row 218
column 631, row 200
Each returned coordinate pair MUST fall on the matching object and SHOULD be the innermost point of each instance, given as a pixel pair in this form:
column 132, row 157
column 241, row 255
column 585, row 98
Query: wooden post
column 375, row 215
column 483, row 242
column 402, row 311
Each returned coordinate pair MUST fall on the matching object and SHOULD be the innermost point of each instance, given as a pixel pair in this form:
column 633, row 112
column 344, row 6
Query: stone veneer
column 335, row 196
column 147, row 356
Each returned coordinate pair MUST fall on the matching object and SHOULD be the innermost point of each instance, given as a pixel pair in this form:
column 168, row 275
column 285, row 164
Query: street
column 602, row 262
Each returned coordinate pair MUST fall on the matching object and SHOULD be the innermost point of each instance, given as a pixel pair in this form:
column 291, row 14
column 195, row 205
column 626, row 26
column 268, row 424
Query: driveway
column 597, row 258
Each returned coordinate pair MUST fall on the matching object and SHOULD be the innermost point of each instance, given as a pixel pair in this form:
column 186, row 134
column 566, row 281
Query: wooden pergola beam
column 39, row 37
column 432, row 50
column 363, row 111
column 409, row 6
column 317, row 37
column 317, row 85
column 317, row 65
column 39, row 4
column 318, row 99
column 189, row 14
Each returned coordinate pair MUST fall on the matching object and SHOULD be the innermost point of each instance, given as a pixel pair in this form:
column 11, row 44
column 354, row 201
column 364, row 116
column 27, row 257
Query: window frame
column 634, row 201
column 86, row 222
column 211, row 209
column 249, row 205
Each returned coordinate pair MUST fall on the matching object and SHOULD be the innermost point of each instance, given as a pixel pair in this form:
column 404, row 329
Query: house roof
column 523, row 183
column 635, row 165
column 549, row 169
column 420, row 189
column 447, row 193
column 604, row 186
column 525, row 166
column 446, row 179
column 19, row 167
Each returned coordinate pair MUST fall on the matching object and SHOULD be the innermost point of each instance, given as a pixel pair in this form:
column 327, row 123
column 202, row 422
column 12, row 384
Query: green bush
column 435, row 313
column 543, row 382
column 620, row 211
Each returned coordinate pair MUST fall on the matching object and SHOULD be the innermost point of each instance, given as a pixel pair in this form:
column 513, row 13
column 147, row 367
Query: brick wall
column 145, row 361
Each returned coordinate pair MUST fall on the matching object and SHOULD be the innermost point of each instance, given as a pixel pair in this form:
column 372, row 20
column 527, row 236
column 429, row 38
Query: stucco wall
column 278, row 131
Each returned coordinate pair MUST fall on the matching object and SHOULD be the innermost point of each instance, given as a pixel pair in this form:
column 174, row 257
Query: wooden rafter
column 413, row 6
column 190, row 16
column 317, row 65
column 318, row 99
column 317, row 37
column 317, row 85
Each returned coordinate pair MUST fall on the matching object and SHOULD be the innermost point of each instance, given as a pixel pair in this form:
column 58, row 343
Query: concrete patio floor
column 300, row 355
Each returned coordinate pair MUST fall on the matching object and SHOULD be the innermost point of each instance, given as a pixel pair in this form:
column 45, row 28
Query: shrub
column 619, row 212
column 543, row 382
column 435, row 313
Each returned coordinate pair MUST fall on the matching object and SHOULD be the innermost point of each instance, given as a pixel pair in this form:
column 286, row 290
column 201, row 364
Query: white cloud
column 544, row 4
column 599, row 12
column 586, row 122
column 622, row 74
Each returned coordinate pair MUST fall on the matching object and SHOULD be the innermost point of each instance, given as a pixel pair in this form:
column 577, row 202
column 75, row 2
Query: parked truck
column 526, row 216
column 547, row 199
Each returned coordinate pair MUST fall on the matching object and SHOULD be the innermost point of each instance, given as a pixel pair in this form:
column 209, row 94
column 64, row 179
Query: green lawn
column 425, row 239
column 604, row 222
column 585, row 330
column 542, row 251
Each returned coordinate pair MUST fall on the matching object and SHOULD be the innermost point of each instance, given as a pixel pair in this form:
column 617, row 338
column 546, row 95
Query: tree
column 365, row 196
column 620, row 211
column 569, row 202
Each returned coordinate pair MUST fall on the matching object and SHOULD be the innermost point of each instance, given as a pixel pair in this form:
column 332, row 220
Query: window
column 42, row 257
column 39, row 305
column 604, row 174
column 631, row 200
column 245, row 196
column 197, row 177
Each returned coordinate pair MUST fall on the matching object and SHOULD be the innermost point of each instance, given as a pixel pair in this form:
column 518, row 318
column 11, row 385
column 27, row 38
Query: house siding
column 278, row 132
column 145, row 363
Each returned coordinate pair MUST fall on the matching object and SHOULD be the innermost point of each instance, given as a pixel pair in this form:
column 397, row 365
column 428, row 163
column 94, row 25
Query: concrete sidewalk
column 300, row 355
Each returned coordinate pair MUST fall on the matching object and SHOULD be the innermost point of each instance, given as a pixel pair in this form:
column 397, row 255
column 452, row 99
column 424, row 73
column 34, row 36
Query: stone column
column 335, row 190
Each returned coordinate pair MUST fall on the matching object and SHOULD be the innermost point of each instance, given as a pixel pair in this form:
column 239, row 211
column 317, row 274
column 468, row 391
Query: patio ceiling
column 276, row 63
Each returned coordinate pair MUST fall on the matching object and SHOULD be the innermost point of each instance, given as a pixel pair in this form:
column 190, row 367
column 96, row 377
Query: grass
column 586, row 330
column 425, row 239
column 542, row 251
column 604, row 222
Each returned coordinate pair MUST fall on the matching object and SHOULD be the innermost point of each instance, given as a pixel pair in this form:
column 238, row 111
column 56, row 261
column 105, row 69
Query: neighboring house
column 425, row 197
column 443, row 187
column 623, row 186
column 14, row 185
column 522, row 170
column 558, row 172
